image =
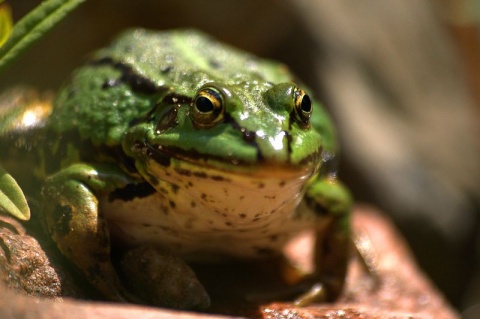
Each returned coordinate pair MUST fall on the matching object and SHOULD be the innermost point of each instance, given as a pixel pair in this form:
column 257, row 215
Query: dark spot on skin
column 241, row 197
column 172, row 203
column 261, row 185
column 204, row 196
column 242, row 215
column 228, row 224
column 218, row 178
column 63, row 216
column 282, row 183
column 181, row 171
column 224, row 215
column 274, row 237
column 166, row 69
column 190, row 184
column 214, row 64
column 192, row 204
column 255, row 219
column 270, row 197
column 200, row 174
column 154, row 181
column 164, row 209
column 131, row 191
column 163, row 190
column 146, row 225
column 175, row 188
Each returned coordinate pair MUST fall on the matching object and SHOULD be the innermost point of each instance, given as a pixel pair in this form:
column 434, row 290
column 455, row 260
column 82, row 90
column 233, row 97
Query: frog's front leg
column 331, row 202
column 78, row 227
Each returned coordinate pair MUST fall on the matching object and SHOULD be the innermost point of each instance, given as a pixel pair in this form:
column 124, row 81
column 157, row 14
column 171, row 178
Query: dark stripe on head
column 137, row 82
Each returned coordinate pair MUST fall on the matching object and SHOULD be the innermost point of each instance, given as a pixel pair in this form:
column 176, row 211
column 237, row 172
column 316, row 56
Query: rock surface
column 396, row 289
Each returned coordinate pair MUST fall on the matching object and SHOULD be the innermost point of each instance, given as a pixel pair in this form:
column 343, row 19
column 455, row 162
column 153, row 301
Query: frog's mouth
column 169, row 156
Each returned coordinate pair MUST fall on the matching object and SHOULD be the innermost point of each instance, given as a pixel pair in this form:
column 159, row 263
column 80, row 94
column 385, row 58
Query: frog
column 177, row 140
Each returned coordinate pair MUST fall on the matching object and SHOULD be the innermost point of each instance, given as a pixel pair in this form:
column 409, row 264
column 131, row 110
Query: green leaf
column 5, row 22
column 33, row 26
column 11, row 197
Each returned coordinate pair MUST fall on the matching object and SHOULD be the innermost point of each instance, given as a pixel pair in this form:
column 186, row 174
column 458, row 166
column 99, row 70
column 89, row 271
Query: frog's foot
column 368, row 256
column 77, row 226
column 319, row 291
column 316, row 294
column 161, row 279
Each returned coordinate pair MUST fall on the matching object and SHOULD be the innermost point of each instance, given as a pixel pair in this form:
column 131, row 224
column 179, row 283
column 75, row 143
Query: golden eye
column 207, row 108
column 303, row 106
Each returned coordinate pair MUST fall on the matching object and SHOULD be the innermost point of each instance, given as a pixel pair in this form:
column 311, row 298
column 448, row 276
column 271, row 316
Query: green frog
column 176, row 140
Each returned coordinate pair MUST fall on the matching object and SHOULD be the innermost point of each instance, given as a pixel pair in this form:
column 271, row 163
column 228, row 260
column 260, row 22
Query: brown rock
column 397, row 289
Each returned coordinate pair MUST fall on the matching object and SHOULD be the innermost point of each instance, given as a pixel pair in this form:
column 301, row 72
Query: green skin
column 152, row 115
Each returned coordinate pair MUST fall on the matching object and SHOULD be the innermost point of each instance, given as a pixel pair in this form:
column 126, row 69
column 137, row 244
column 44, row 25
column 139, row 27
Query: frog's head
column 242, row 127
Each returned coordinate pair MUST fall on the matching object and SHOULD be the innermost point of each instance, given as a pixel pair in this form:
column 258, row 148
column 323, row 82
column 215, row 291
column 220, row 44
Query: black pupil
column 306, row 104
column 204, row 104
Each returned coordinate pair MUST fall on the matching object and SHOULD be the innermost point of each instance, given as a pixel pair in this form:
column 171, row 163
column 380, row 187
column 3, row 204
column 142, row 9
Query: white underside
column 205, row 219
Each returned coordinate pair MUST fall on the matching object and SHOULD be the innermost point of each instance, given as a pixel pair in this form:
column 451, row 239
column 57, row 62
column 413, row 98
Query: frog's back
column 186, row 59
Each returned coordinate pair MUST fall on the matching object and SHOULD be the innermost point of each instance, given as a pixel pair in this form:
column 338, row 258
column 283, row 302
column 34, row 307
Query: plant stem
column 33, row 26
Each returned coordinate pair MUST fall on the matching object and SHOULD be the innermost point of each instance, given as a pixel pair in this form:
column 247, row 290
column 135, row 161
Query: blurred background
column 400, row 78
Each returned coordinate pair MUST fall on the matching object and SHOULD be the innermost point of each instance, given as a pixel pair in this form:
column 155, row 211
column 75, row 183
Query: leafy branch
column 13, row 42
column 31, row 27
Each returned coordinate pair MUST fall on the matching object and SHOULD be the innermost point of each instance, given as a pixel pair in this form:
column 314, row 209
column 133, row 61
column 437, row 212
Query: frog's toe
column 316, row 294
column 161, row 279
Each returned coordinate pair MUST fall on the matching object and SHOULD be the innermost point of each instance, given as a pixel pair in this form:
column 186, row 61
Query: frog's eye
column 303, row 106
column 208, row 107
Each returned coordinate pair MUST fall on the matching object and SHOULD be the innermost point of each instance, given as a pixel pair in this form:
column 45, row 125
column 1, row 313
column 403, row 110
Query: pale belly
column 213, row 221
